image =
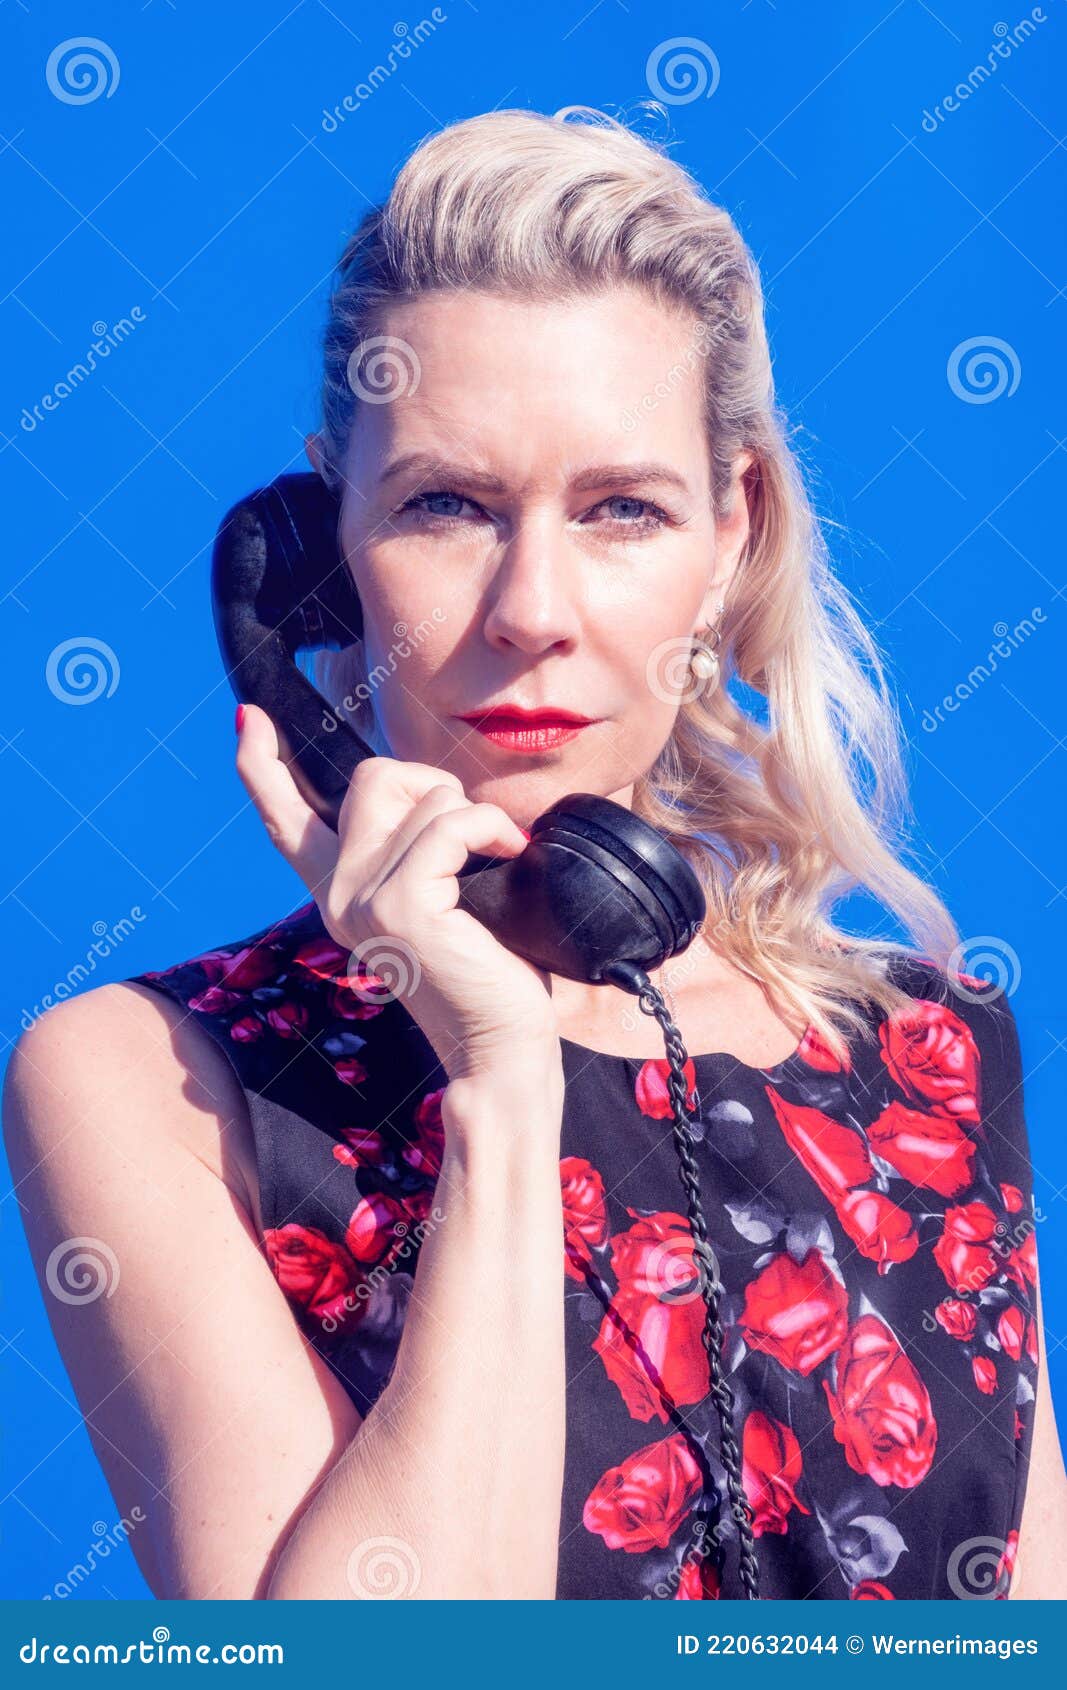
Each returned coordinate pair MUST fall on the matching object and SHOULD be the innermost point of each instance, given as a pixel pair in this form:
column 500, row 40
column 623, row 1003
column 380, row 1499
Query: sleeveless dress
column 874, row 1226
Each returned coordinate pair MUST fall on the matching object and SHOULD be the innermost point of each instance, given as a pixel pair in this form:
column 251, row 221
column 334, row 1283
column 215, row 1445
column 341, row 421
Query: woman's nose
column 532, row 596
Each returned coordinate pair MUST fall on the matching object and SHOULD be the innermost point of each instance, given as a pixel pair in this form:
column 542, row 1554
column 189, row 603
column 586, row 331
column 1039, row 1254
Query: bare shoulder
column 142, row 1059
column 212, row 1417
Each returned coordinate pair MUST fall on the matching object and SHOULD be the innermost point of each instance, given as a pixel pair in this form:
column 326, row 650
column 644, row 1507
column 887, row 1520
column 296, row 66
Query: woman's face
column 530, row 523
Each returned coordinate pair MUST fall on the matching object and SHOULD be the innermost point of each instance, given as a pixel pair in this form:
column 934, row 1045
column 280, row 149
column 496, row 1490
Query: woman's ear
column 313, row 448
column 732, row 531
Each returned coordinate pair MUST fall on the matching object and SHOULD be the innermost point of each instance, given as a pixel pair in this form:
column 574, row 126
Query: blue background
column 206, row 191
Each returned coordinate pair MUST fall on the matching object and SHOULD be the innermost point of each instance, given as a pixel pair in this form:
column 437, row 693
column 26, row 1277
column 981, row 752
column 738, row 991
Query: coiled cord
column 634, row 979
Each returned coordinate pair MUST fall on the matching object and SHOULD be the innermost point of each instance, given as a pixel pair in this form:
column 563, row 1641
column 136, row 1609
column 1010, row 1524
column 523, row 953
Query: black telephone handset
column 597, row 895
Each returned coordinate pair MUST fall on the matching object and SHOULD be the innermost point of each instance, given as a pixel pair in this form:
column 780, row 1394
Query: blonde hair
column 778, row 820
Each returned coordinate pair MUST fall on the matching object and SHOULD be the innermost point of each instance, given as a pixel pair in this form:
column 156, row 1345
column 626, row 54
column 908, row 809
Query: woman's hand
column 385, row 885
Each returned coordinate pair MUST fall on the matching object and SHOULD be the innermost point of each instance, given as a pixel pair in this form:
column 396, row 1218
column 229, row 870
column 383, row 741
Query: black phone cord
column 652, row 1002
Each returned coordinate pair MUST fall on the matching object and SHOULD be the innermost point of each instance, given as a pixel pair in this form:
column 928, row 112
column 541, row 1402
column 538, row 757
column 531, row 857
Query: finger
column 380, row 796
column 442, row 847
column 302, row 837
column 435, row 802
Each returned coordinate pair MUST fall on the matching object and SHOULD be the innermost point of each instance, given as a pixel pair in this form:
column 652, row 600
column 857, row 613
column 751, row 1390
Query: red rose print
column 771, row 1466
column 869, row 1590
column 1006, row 1564
column 214, row 1001
column 585, row 1218
column 313, row 1271
column 350, row 1070
column 247, row 1029
column 353, row 999
column 958, row 1319
column 640, row 1504
column 699, row 1582
column 929, row 1150
column 288, row 1019
column 834, row 1156
column 933, row 1058
column 879, row 1230
column 1010, row 1330
column 380, row 1225
column 1031, row 1340
column 1017, row 1427
column 650, row 1088
column 881, row 1408
column 814, row 1050
column 799, row 1315
column 1013, row 1198
column 1021, row 1264
column 321, row 956
column 985, row 1374
column 429, row 1147
column 655, row 1255
column 653, row 1351
column 243, row 970
column 963, row 1252
column 363, row 1147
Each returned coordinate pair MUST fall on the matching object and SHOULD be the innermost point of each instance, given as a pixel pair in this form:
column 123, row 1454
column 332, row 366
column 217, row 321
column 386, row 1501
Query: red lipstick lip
column 513, row 716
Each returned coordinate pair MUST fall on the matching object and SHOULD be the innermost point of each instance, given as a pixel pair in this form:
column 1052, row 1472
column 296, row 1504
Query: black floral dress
column 874, row 1225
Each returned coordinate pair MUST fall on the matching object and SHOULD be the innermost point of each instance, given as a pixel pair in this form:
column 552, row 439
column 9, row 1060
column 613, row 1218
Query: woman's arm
column 1041, row 1563
column 456, row 1477
column 208, row 1410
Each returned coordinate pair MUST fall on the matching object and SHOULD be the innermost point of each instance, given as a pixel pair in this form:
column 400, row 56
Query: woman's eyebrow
column 428, row 464
column 628, row 475
column 595, row 475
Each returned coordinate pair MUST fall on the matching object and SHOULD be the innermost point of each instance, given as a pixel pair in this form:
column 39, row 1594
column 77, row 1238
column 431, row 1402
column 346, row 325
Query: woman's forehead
column 610, row 378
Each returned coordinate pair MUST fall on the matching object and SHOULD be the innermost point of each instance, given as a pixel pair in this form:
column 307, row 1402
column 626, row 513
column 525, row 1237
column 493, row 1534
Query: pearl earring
column 704, row 660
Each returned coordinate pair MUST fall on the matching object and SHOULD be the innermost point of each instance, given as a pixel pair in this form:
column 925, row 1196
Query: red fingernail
column 523, row 830
column 239, row 718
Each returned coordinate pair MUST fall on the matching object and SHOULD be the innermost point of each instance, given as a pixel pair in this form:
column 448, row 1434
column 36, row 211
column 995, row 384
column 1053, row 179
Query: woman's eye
column 638, row 514
column 438, row 503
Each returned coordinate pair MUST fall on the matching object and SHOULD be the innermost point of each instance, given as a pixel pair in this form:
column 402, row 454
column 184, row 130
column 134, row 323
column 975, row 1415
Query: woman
column 566, row 490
